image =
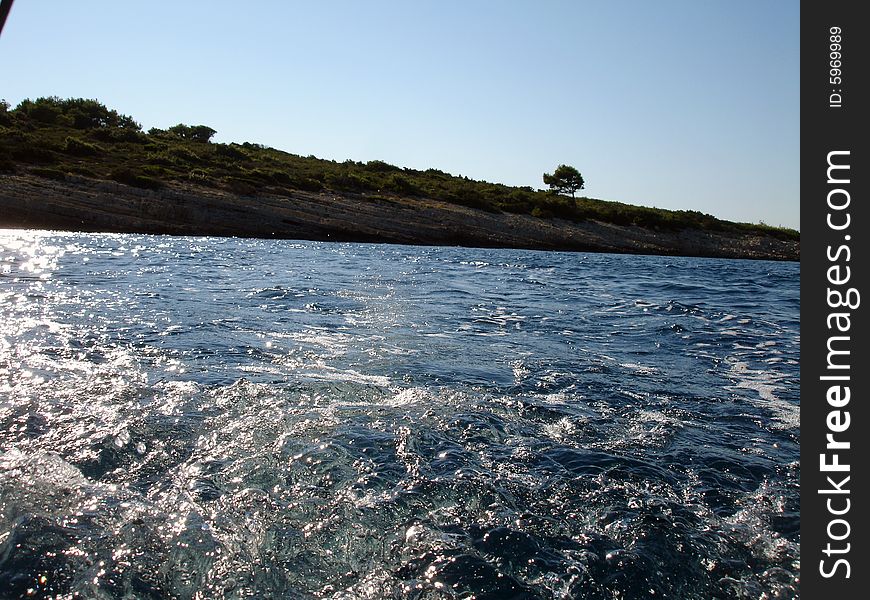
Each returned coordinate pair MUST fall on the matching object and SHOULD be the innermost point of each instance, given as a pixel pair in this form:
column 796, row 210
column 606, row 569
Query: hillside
column 75, row 164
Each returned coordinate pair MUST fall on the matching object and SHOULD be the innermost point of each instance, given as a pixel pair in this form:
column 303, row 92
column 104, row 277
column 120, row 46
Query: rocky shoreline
column 81, row 204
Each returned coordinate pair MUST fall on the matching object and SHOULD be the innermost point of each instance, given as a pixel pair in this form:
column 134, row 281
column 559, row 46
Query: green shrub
column 119, row 135
column 78, row 147
column 32, row 152
column 264, row 175
column 230, row 151
column 401, row 185
column 379, row 166
column 161, row 157
column 307, row 184
column 468, row 196
column 518, row 201
column 79, row 113
column 155, row 171
column 48, row 173
column 43, row 110
column 193, row 133
column 127, row 176
column 182, row 155
column 349, row 182
column 5, row 115
column 173, row 156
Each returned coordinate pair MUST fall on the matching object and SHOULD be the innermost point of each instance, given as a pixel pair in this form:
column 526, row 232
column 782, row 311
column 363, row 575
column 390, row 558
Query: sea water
column 224, row 418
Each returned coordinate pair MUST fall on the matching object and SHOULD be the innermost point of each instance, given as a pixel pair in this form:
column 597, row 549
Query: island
column 74, row 164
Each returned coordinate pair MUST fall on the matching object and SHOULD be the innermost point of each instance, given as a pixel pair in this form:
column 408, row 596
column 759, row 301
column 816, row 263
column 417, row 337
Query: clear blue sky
column 681, row 104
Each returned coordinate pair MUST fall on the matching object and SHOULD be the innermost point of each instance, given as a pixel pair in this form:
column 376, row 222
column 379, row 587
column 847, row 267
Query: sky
column 678, row 104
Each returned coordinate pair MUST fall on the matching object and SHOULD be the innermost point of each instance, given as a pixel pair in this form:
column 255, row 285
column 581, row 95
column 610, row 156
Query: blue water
column 225, row 418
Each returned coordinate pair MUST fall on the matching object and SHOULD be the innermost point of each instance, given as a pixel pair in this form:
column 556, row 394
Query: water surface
column 226, row 418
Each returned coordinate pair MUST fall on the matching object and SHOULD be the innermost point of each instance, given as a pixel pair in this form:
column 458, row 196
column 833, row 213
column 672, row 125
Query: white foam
column 786, row 414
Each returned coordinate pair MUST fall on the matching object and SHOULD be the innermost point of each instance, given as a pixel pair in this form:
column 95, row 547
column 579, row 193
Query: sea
column 198, row 417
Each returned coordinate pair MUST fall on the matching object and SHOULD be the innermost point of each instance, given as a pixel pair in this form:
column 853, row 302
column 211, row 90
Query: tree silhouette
column 194, row 133
column 564, row 179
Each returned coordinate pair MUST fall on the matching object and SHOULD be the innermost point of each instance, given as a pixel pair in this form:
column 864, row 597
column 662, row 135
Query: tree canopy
column 79, row 113
column 194, row 133
column 564, row 179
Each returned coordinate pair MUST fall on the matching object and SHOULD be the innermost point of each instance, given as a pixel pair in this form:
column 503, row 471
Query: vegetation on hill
column 53, row 137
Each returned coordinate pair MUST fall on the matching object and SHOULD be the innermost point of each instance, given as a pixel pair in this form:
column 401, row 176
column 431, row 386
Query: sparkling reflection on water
column 224, row 418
